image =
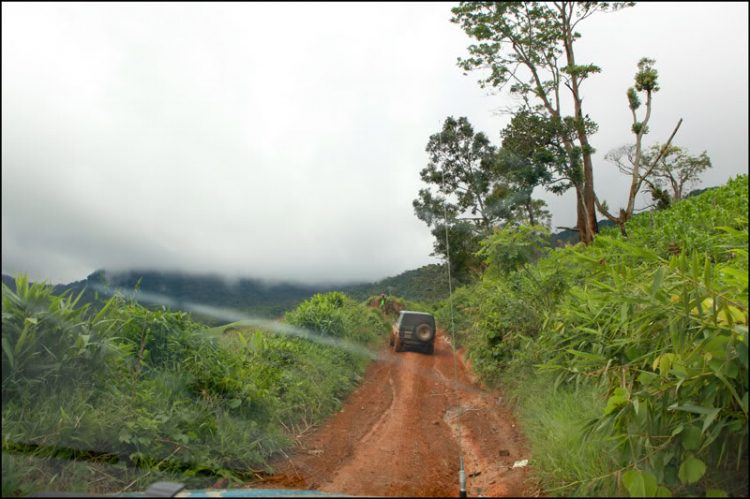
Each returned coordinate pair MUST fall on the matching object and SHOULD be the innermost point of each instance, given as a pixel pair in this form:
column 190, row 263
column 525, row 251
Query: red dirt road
column 398, row 435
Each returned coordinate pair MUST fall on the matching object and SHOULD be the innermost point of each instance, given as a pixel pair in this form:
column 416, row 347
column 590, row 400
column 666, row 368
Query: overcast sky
column 284, row 141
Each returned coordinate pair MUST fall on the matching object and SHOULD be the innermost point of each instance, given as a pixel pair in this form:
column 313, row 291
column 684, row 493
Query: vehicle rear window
column 411, row 320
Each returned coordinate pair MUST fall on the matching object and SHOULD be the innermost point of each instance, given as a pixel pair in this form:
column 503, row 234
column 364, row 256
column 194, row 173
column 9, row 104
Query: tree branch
column 661, row 153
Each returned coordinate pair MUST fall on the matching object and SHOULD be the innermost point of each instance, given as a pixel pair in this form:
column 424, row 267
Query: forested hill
column 425, row 284
column 251, row 296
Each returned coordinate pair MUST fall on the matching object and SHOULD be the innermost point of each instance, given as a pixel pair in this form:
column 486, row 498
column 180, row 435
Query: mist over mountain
column 250, row 296
column 256, row 297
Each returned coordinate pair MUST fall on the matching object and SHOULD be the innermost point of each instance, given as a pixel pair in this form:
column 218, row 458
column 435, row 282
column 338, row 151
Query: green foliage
column 463, row 240
column 45, row 341
column 511, row 248
column 334, row 314
column 151, row 390
column 516, row 34
column 656, row 322
column 470, row 191
column 478, row 189
column 646, row 79
column 551, row 418
column 520, row 46
column 460, row 318
column 395, row 304
column 461, row 164
column 426, row 284
column 676, row 170
column 539, row 143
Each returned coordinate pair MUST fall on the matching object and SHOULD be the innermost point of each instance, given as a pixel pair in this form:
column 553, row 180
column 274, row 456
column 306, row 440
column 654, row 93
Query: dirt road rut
column 398, row 435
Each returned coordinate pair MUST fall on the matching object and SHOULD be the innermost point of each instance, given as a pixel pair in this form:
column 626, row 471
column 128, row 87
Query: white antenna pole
column 461, row 473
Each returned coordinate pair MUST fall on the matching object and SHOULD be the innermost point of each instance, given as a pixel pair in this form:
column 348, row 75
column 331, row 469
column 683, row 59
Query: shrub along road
column 398, row 435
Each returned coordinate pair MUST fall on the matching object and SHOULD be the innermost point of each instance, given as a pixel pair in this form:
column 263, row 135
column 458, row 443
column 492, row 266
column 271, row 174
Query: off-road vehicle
column 416, row 329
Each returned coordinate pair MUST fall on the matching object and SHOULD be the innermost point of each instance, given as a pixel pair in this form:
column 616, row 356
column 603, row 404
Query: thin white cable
column 462, row 474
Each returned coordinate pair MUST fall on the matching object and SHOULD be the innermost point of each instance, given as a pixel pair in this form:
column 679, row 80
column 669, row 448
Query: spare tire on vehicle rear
column 424, row 332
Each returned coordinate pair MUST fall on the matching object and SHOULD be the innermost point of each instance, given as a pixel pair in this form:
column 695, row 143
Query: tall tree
column 646, row 81
column 523, row 176
column 677, row 171
column 470, row 195
column 461, row 165
column 464, row 244
column 522, row 43
column 537, row 143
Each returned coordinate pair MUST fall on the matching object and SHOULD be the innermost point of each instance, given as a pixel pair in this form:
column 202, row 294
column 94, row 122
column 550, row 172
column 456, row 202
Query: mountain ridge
column 257, row 297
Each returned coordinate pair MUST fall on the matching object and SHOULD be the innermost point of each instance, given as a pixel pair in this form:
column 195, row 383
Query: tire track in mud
column 398, row 435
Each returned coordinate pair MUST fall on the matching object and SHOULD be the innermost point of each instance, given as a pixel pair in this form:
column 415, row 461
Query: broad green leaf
column 691, row 470
column 647, row 378
column 633, row 352
column 235, row 403
column 730, row 230
column 628, row 477
column 665, row 364
column 614, row 402
column 697, row 266
column 639, row 483
column 641, row 410
column 663, row 492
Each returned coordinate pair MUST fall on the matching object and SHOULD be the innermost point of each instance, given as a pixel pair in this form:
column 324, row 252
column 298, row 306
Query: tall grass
column 552, row 422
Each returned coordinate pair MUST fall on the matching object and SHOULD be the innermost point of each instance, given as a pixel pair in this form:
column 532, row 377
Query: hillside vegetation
column 427, row 284
column 113, row 401
column 628, row 358
column 252, row 297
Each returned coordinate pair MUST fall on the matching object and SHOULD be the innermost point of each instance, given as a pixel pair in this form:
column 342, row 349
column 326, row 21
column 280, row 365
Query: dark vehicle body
column 414, row 329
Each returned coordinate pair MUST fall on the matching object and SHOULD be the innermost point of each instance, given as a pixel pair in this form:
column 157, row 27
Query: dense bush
column 140, row 395
column 656, row 321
